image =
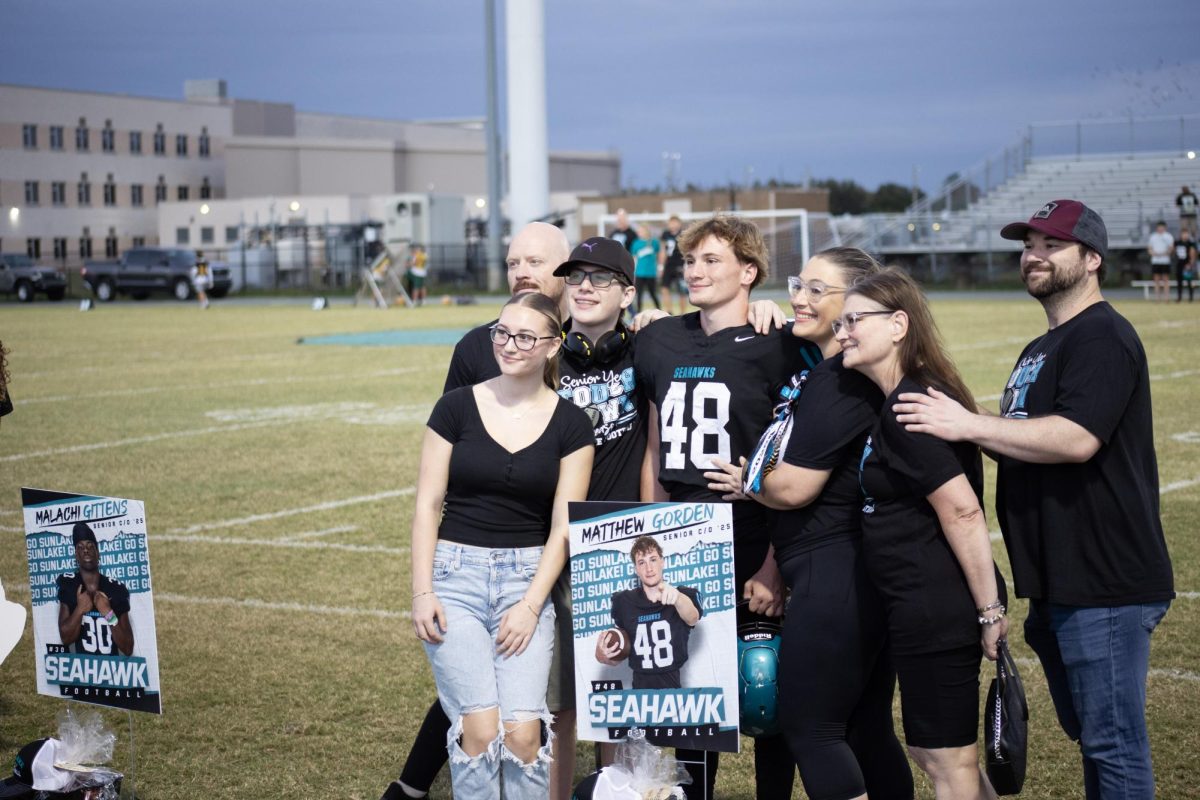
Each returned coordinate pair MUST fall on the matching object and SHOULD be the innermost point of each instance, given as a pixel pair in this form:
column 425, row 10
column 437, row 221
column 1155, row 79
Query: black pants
column 1179, row 282
column 646, row 285
column 836, row 683
column 428, row 754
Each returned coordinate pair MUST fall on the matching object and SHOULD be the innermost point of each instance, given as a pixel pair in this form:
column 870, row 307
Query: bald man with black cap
column 93, row 609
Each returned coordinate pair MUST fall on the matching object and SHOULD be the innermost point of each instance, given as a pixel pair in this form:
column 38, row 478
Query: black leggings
column 428, row 754
column 1179, row 283
column 836, row 683
column 646, row 285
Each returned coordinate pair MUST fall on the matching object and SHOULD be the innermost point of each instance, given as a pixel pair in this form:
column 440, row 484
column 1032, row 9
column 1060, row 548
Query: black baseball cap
column 600, row 251
column 1067, row 220
column 34, row 771
column 82, row 532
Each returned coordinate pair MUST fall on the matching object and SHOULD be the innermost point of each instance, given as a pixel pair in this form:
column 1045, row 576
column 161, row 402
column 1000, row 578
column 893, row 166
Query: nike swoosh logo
column 742, row 338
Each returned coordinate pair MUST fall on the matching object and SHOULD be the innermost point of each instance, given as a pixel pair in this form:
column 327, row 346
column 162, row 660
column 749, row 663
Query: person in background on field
column 645, row 273
column 201, row 279
column 499, row 464
column 623, row 233
column 1185, row 265
column 670, row 259
column 1160, row 249
column 416, row 274
column 1188, row 205
column 1077, row 496
column 6, row 405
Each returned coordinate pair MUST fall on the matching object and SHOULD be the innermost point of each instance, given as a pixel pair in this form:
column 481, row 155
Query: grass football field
column 278, row 482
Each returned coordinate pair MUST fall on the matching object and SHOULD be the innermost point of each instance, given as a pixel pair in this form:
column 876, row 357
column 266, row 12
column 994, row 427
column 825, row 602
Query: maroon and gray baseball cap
column 1068, row 220
column 600, row 251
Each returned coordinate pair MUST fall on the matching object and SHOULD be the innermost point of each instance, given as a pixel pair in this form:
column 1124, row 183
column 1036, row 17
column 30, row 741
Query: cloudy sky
column 861, row 89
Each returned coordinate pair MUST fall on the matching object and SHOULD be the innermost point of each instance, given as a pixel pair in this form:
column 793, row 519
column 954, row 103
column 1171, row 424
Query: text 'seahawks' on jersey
column 714, row 396
column 95, row 632
column 659, row 636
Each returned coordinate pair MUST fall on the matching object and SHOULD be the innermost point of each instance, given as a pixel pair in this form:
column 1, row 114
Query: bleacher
column 1131, row 193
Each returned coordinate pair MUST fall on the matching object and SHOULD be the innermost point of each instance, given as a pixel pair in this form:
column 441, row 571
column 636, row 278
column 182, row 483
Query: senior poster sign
column 93, row 610
column 655, row 636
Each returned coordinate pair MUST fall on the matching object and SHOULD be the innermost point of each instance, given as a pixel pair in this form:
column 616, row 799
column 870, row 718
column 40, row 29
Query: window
column 56, row 137
column 58, row 193
column 160, row 190
column 110, row 191
column 85, row 191
column 81, row 135
column 85, row 246
column 60, row 249
column 135, row 142
column 181, row 193
column 108, row 137
column 181, row 144
column 160, row 141
column 182, row 235
column 206, row 235
column 205, row 190
column 138, row 241
column 231, row 233
column 110, row 246
column 29, row 136
column 33, row 248
column 135, row 194
column 31, row 193
column 204, row 145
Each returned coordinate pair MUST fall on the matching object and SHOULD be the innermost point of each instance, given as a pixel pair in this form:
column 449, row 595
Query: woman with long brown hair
column 925, row 538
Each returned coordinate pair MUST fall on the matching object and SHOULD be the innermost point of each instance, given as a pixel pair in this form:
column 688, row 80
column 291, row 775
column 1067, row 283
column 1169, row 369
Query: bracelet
column 111, row 619
column 422, row 594
column 990, row 606
column 529, row 605
column 999, row 615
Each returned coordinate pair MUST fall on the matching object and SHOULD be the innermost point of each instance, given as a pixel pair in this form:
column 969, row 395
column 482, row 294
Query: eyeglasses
column 850, row 321
column 601, row 278
column 523, row 341
column 816, row 289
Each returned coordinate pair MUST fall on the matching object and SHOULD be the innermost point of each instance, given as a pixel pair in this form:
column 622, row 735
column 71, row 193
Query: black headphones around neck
column 584, row 353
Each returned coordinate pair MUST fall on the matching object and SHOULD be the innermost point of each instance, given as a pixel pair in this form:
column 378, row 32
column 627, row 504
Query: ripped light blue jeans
column 476, row 585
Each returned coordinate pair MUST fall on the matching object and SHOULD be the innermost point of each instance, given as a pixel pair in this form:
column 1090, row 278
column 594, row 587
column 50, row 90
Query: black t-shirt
column 1185, row 252
column 658, row 634
column 473, row 360
column 608, row 393
column 714, row 396
column 836, row 411
column 95, row 632
column 495, row 498
column 626, row 236
column 907, row 555
column 1086, row 534
column 670, row 244
column 1187, row 204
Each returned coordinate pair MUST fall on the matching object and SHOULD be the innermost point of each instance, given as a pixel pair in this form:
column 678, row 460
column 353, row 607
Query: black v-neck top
column 496, row 498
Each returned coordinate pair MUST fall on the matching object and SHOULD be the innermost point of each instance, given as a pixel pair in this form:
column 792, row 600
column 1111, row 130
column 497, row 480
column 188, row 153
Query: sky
column 868, row 90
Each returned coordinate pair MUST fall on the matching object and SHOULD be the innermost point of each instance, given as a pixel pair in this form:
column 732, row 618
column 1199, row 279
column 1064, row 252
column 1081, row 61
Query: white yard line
column 292, row 537
column 1162, row 376
column 990, row 344
column 289, row 512
column 231, row 540
column 1155, row 672
column 1177, row 485
column 383, row 373
column 155, row 437
column 267, row 605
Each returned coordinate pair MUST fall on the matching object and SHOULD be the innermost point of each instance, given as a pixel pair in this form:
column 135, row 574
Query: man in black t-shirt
column 711, row 381
column 1188, row 205
column 670, row 259
column 623, row 233
column 1077, row 495
column 658, row 619
column 93, row 609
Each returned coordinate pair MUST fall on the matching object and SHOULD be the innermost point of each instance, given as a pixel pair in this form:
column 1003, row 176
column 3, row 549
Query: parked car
column 141, row 271
column 21, row 275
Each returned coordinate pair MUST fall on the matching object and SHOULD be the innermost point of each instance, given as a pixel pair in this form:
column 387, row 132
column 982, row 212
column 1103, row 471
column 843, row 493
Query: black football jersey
column 714, row 394
column 659, row 636
column 95, row 632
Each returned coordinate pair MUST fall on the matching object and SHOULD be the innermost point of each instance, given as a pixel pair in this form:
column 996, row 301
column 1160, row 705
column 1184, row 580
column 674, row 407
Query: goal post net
column 792, row 234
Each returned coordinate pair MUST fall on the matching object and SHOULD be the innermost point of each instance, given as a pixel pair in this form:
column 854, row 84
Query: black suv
column 20, row 275
column 142, row 270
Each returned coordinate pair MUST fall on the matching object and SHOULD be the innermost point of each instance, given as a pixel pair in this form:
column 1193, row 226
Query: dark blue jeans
column 1096, row 661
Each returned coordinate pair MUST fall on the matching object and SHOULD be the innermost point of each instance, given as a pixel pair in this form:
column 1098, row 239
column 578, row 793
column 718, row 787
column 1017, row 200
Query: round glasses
column 850, row 321
column 523, row 341
column 600, row 279
column 815, row 289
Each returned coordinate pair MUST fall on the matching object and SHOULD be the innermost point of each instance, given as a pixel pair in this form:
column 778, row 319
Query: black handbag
column 1006, row 727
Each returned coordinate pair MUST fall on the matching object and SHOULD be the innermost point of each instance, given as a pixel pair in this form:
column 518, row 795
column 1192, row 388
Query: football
column 616, row 637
